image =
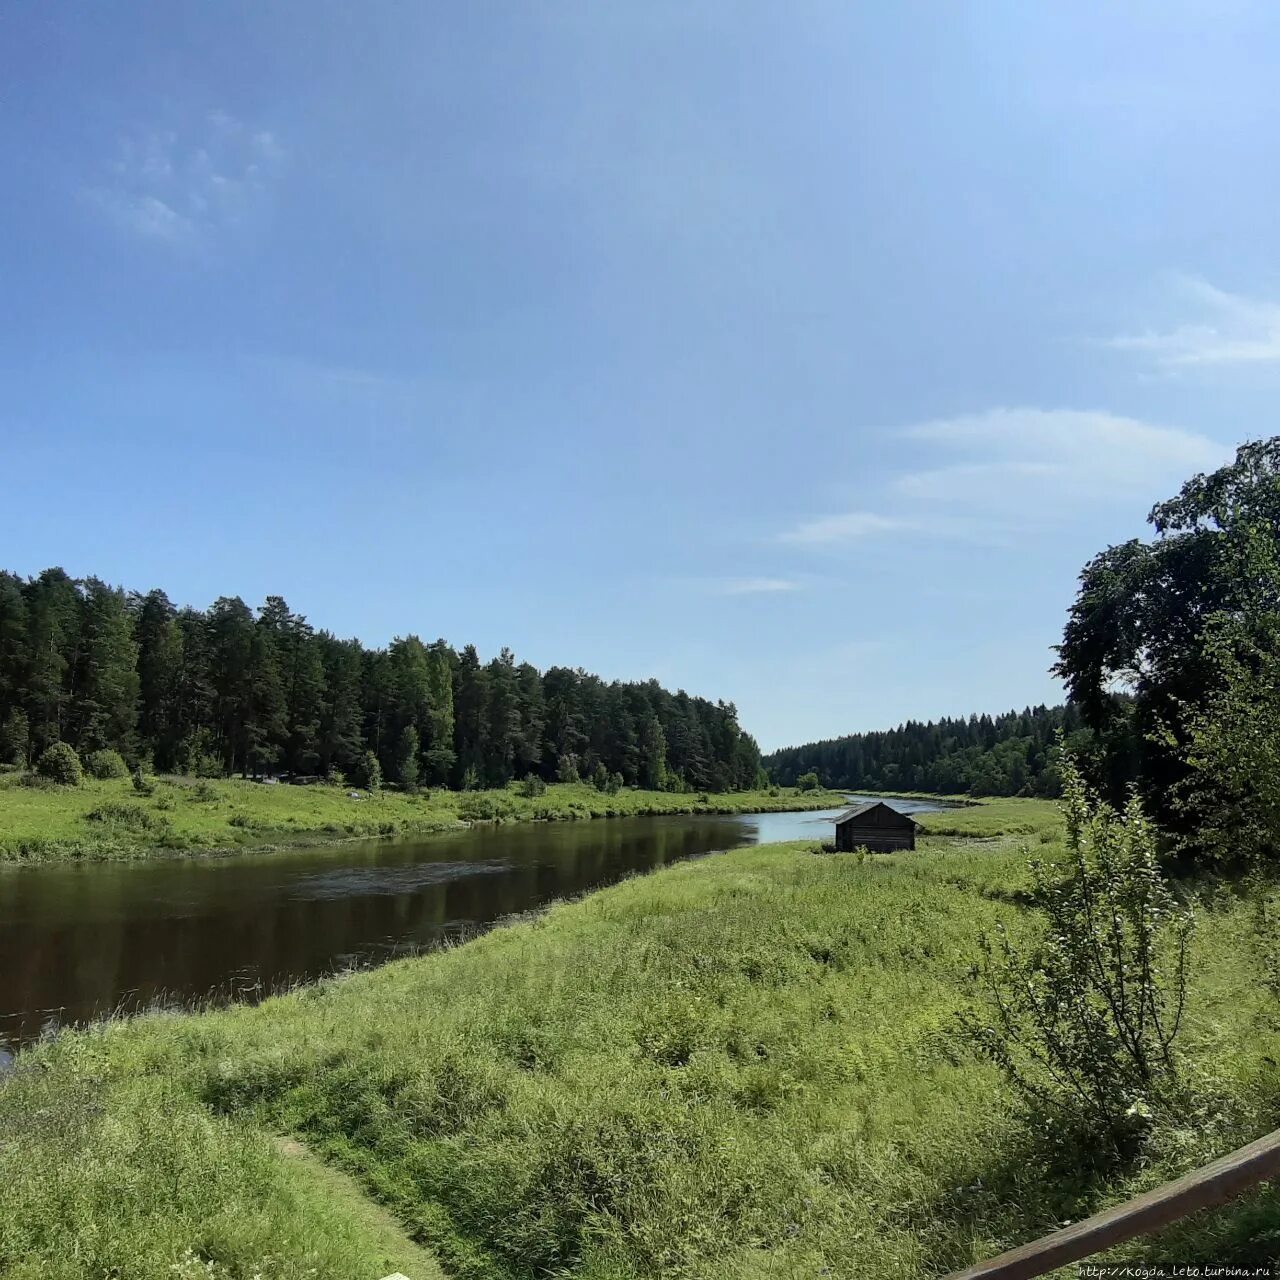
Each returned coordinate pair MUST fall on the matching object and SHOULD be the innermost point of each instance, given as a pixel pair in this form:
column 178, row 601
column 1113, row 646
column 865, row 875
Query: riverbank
column 185, row 816
column 743, row 1065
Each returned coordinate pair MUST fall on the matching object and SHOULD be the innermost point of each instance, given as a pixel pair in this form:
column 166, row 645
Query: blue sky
column 798, row 355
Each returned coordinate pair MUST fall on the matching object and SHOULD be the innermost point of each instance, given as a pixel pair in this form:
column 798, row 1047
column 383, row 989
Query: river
column 81, row 940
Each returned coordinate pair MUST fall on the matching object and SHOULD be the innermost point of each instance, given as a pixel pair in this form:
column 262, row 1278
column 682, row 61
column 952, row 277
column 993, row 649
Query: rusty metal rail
column 1206, row 1187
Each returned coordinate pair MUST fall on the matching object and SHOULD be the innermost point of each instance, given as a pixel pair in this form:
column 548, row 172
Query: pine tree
column 407, row 764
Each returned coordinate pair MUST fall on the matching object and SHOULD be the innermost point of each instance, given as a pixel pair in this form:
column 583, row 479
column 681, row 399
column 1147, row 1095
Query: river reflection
column 80, row 941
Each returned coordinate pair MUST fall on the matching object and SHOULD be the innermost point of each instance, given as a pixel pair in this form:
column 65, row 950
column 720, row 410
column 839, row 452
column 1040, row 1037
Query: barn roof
column 859, row 810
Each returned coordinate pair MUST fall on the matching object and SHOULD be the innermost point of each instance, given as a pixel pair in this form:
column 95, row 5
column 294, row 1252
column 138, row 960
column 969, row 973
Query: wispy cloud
column 998, row 474
column 848, row 527
column 757, row 586
column 181, row 187
column 1057, row 449
column 1222, row 329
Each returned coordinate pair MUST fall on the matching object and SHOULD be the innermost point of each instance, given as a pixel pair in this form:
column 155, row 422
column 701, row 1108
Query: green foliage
column 105, row 763
column 141, row 784
column 335, row 778
column 1083, row 1021
column 233, row 690
column 1148, row 617
column 60, row 764
column 408, row 767
column 808, row 782
column 739, row 1066
column 1230, row 793
column 46, row 821
column 368, row 772
column 1004, row 755
column 485, row 806
column 129, row 817
column 533, row 786
column 15, row 732
column 133, row 1177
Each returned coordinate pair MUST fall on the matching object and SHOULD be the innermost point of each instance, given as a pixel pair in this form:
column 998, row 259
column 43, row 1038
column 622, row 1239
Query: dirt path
column 397, row 1253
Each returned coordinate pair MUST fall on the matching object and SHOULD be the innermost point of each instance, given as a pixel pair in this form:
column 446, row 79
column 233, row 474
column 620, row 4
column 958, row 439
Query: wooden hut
column 874, row 826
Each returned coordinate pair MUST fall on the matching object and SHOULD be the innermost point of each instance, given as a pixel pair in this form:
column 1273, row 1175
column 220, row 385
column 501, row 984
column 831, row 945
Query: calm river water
column 79, row 941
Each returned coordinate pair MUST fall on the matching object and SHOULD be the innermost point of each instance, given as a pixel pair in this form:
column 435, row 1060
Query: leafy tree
column 808, row 782
column 1231, row 789
column 1146, row 613
column 105, row 763
column 1083, row 1022
column 59, row 763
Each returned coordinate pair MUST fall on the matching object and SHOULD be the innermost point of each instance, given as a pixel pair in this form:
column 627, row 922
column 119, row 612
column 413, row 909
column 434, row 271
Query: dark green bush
column 533, row 786
column 1083, row 1019
column 60, row 764
column 128, row 816
column 105, row 763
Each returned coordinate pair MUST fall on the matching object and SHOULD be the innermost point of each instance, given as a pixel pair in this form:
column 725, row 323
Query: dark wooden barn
column 876, row 827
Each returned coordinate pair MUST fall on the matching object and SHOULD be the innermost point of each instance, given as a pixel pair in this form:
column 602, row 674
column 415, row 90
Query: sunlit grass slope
column 743, row 1066
column 108, row 819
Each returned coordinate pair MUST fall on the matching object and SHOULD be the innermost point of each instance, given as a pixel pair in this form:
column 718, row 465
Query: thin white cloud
column 943, row 484
column 183, row 188
column 757, row 586
column 1065, row 449
column 848, row 527
column 1224, row 329
column 1001, row 474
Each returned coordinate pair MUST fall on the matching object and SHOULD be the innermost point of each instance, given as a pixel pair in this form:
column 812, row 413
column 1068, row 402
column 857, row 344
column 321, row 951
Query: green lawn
column 110, row 820
column 742, row 1066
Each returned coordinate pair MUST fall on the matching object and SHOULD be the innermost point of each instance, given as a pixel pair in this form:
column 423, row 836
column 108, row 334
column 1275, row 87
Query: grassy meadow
column 109, row 819
column 742, row 1066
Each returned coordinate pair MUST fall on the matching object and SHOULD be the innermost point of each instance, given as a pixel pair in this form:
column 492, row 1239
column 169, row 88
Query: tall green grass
column 743, row 1066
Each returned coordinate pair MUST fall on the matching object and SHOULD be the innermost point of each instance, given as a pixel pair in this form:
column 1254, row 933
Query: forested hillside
column 1006, row 755
column 228, row 690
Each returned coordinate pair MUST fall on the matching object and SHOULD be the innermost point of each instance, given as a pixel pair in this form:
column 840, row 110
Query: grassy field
column 743, row 1066
column 110, row 820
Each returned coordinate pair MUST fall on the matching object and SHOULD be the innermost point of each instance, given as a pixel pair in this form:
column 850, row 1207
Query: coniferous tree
column 407, row 763
column 230, row 689
column 160, row 671
column 104, row 708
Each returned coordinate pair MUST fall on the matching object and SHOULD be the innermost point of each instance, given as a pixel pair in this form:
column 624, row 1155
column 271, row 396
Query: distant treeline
column 228, row 689
column 1006, row 755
